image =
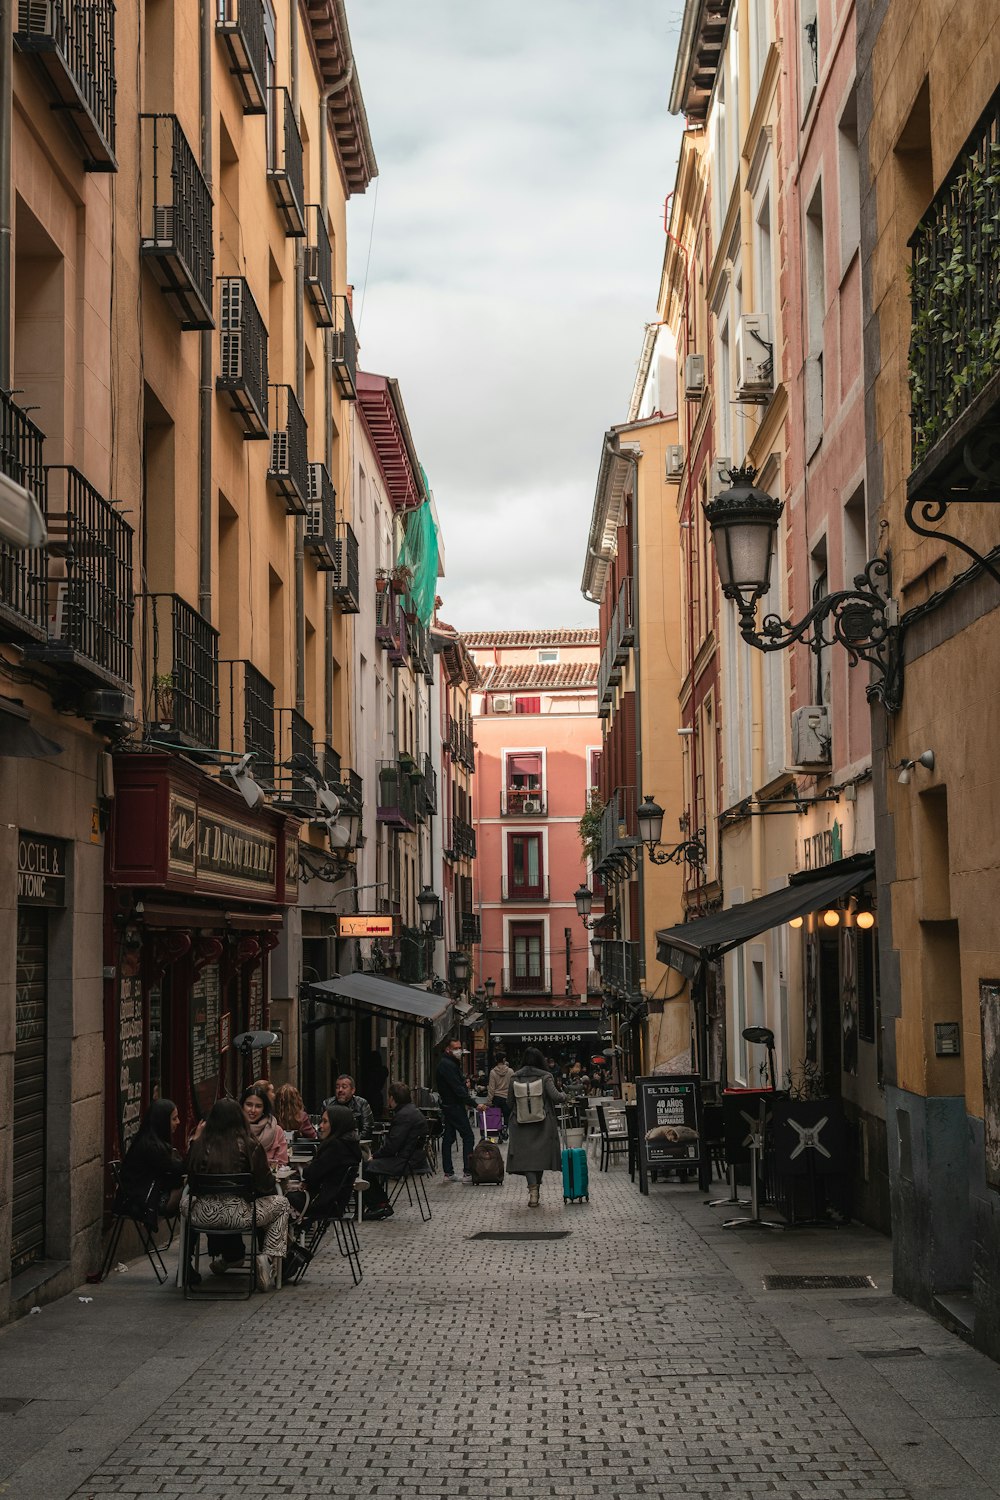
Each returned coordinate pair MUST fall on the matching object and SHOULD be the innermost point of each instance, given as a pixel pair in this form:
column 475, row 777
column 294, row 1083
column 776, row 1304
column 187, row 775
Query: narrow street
column 637, row 1356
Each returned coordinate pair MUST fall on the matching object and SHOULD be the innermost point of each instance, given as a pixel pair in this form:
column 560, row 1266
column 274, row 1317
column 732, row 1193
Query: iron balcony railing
column 537, row 983
column 243, row 355
column 344, row 349
column 86, row 577
column 248, row 714
column 175, row 227
column 511, row 891
column 289, row 467
column 296, row 774
column 388, row 619
column 619, row 828
column 346, row 570
column 470, row 927
column 463, row 839
column 284, row 162
column 327, row 759
column 396, row 805
column 22, row 571
column 321, row 518
column 622, row 626
column 73, row 42
column 181, row 678
column 460, row 743
column 240, row 24
column 430, row 784
column 319, row 266
column 620, row 967
column 954, row 295
column 420, row 649
column 517, row 801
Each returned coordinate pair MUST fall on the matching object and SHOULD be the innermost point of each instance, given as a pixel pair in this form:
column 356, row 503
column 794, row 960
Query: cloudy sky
column 515, row 239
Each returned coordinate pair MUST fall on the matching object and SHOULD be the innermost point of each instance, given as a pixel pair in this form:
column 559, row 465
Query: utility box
column 811, row 737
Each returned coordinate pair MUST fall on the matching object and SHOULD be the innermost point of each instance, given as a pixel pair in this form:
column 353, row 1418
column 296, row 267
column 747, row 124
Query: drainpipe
column 300, row 391
column 6, row 126
column 205, row 378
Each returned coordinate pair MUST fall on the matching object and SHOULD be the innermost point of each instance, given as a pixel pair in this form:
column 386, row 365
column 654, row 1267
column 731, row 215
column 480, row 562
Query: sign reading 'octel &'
column 41, row 870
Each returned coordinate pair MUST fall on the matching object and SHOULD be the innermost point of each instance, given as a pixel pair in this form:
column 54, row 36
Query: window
column 526, row 972
column 524, row 865
column 808, row 53
column 527, row 705
column 760, row 41
column 524, row 782
column 594, row 779
column 548, row 655
column 815, row 314
column 820, row 588
column 849, row 173
column 764, row 289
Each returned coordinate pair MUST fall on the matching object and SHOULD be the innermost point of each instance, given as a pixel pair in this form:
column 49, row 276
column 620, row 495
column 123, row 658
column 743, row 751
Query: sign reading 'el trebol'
column 215, row 848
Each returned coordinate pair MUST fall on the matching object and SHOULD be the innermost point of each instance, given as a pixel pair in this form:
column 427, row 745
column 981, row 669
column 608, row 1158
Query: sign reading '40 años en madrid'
column 216, row 848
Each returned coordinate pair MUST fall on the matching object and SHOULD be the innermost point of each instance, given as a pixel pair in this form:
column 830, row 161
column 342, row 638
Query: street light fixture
column 429, row 907
column 584, row 898
column 458, row 965
column 490, row 986
column 744, row 526
column 649, row 816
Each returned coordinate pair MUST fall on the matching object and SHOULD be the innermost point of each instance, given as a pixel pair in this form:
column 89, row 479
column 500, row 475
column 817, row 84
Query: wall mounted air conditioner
column 719, row 479
column 811, row 736
column 532, row 805
column 503, row 705
column 754, row 357
column 694, row 377
column 674, row 462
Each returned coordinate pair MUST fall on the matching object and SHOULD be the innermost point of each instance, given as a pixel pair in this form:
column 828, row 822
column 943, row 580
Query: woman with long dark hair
column 534, row 1125
column 225, row 1145
column 258, row 1112
column 331, row 1174
column 152, row 1173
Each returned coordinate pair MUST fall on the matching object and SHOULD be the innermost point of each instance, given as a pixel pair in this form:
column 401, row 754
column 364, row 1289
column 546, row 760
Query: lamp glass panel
column 650, row 824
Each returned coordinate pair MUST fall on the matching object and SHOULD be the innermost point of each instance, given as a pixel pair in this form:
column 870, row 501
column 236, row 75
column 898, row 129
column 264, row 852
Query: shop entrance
column 30, row 1094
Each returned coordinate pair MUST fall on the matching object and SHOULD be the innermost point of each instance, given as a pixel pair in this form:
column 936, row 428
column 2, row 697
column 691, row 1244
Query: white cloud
column 524, row 153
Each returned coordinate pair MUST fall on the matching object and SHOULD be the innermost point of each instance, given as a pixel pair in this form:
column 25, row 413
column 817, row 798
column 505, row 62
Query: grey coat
column 535, row 1148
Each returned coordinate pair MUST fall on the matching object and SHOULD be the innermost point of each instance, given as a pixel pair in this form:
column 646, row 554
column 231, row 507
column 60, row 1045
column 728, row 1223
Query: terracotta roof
column 521, row 638
column 331, row 43
column 384, row 416
column 547, row 677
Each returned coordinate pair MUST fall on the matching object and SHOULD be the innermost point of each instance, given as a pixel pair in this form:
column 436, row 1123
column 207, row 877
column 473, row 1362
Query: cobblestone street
column 638, row 1356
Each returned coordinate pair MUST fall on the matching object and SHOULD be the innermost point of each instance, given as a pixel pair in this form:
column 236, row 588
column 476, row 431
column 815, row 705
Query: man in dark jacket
column 456, row 1101
column 408, row 1129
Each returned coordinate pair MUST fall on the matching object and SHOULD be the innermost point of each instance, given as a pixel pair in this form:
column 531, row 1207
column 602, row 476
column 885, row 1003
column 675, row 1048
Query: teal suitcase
column 576, row 1177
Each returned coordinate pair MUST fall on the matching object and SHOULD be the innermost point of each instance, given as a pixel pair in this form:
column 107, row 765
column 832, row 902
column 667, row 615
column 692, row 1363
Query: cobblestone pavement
column 637, row 1357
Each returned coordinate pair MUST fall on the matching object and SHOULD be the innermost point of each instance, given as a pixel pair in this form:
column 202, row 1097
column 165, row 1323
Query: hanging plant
column 590, row 828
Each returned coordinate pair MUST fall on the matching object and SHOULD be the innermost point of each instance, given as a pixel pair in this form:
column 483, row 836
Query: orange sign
column 365, row 925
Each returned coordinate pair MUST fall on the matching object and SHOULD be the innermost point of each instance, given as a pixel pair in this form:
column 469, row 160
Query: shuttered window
column 31, row 1005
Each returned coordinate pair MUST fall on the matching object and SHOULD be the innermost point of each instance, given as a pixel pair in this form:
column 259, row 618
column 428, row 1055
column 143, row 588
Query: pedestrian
column 345, row 1094
column 152, row 1174
column 498, row 1087
column 408, row 1128
column 534, row 1144
column 456, row 1101
column 264, row 1127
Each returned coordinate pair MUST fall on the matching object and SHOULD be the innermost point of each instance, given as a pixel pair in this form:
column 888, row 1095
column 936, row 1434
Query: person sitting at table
column 393, row 1156
column 263, row 1126
column 290, row 1112
column 330, row 1175
column 152, row 1173
column 223, row 1145
column 267, row 1086
column 345, row 1095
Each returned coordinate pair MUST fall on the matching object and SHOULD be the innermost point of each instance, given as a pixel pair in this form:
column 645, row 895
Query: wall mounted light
column 242, row 776
column 864, row 916
column 925, row 759
column 649, row 818
column 796, row 921
column 429, row 907
column 831, row 917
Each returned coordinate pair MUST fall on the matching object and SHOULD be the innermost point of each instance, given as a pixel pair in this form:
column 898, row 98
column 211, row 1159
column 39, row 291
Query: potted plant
column 381, row 580
column 401, row 577
column 164, row 684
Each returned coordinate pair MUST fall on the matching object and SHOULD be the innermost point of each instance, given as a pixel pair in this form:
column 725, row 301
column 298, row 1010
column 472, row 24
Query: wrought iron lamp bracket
column 932, row 509
column 692, row 852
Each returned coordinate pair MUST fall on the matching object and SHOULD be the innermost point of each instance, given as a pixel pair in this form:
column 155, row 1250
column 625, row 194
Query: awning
column 19, row 738
column 407, row 1000
column 686, row 946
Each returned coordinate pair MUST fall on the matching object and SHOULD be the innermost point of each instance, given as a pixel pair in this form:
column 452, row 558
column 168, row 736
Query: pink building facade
column 538, row 746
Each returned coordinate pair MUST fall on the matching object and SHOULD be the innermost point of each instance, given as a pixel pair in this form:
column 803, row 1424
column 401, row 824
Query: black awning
column 684, row 947
column 19, row 738
column 407, row 1000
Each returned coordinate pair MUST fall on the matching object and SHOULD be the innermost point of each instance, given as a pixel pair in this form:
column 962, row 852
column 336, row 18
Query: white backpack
column 529, row 1100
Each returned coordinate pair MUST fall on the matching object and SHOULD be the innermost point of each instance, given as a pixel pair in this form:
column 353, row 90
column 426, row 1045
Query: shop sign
column 131, row 1039
column 41, row 870
column 291, row 866
column 669, row 1124
column 234, row 854
column 365, row 925
column 183, row 829
column 225, row 1031
column 823, row 848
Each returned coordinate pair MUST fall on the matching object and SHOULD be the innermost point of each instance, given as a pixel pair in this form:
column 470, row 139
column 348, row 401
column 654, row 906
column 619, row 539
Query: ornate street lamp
column 744, row 526
column 458, row 966
column 584, row 898
column 649, row 817
column 429, row 907
column 490, row 987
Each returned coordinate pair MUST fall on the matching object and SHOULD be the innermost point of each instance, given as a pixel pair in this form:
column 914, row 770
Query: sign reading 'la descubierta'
column 205, row 844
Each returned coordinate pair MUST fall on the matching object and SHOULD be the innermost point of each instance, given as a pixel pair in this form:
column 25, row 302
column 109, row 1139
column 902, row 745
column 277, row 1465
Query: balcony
column 539, row 983
column 463, row 839
column 594, row 986
column 421, row 656
column 248, row 714
column 22, row 573
column 619, row 828
column 622, row 636
column 319, row 267
column 396, row 797
column 388, row 620
column 344, row 350
column 240, row 24
column 73, row 43
column 288, row 472
column 517, row 801
column 321, row 519
column 518, row 893
column 243, row 356
column 296, row 773
column 175, row 227
column 430, row 785
column 346, row 570
column 460, row 744
column 954, row 371
column 620, row 967
column 470, row 928
column 284, row 162
column 181, row 678
column 85, row 576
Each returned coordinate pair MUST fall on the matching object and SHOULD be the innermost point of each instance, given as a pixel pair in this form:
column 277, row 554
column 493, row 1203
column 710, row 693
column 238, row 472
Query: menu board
column 255, row 1015
column 205, row 1013
column 669, row 1124
column 131, row 1029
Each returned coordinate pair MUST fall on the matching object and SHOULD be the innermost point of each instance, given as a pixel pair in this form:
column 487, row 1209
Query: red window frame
column 535, row 977
column 527, row 705
column 519, row 865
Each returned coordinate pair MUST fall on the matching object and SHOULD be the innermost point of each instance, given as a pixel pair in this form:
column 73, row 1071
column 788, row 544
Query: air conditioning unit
column 720, row 479
column 310, row 261
column 106, row 703
column 811, row 736
column 532, row 805
column 503, row 705
column 694, row 377
column 754, row 356
column 231, row 329
column 35, row 18
column 674, row 463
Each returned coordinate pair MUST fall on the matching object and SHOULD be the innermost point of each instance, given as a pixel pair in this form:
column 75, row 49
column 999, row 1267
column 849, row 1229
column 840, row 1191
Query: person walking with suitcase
column 534, row 1147
column 498, row 1089
column 456, row 1101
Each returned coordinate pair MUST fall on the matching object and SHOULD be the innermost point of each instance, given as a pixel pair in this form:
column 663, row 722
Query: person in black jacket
column 456, row 1101
column 152, row 1174
column 331, row 1173
column 408, row 1129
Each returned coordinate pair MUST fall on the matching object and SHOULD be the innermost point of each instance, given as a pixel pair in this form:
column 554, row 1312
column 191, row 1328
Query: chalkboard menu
column 205, row 1013
column 131, row 1039
column 255, row 1015
column 669, row 1124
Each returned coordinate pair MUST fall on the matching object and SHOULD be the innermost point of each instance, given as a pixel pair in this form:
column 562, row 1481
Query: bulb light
column 831, row 917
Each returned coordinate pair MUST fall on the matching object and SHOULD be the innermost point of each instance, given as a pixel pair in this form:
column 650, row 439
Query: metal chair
column 234, row 1185
column 143, row 1215
column 614, row 1134
column 311, row 1232
column 413, row 1178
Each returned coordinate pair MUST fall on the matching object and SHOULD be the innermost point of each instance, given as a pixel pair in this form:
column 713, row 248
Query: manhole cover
column 816, row 1283
column 521, row 1234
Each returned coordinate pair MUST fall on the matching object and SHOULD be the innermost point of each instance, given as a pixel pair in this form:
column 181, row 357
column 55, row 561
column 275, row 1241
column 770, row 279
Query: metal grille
column 620, row 966
column 396, row 797
column 29, row 1102
column 81, row 35
column 295, row 761
column 284, row 162
column 319, row 266
column 430, row 784
column 241, row 24
column 816, row 1283
column 22, row 591
column 88, row 574
column 248, row 698
column 347, row 570
column 176, row 222
column 463, row 838
column 344, row 349
column 182, row 650
column 289, row 471
column 243, row 354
